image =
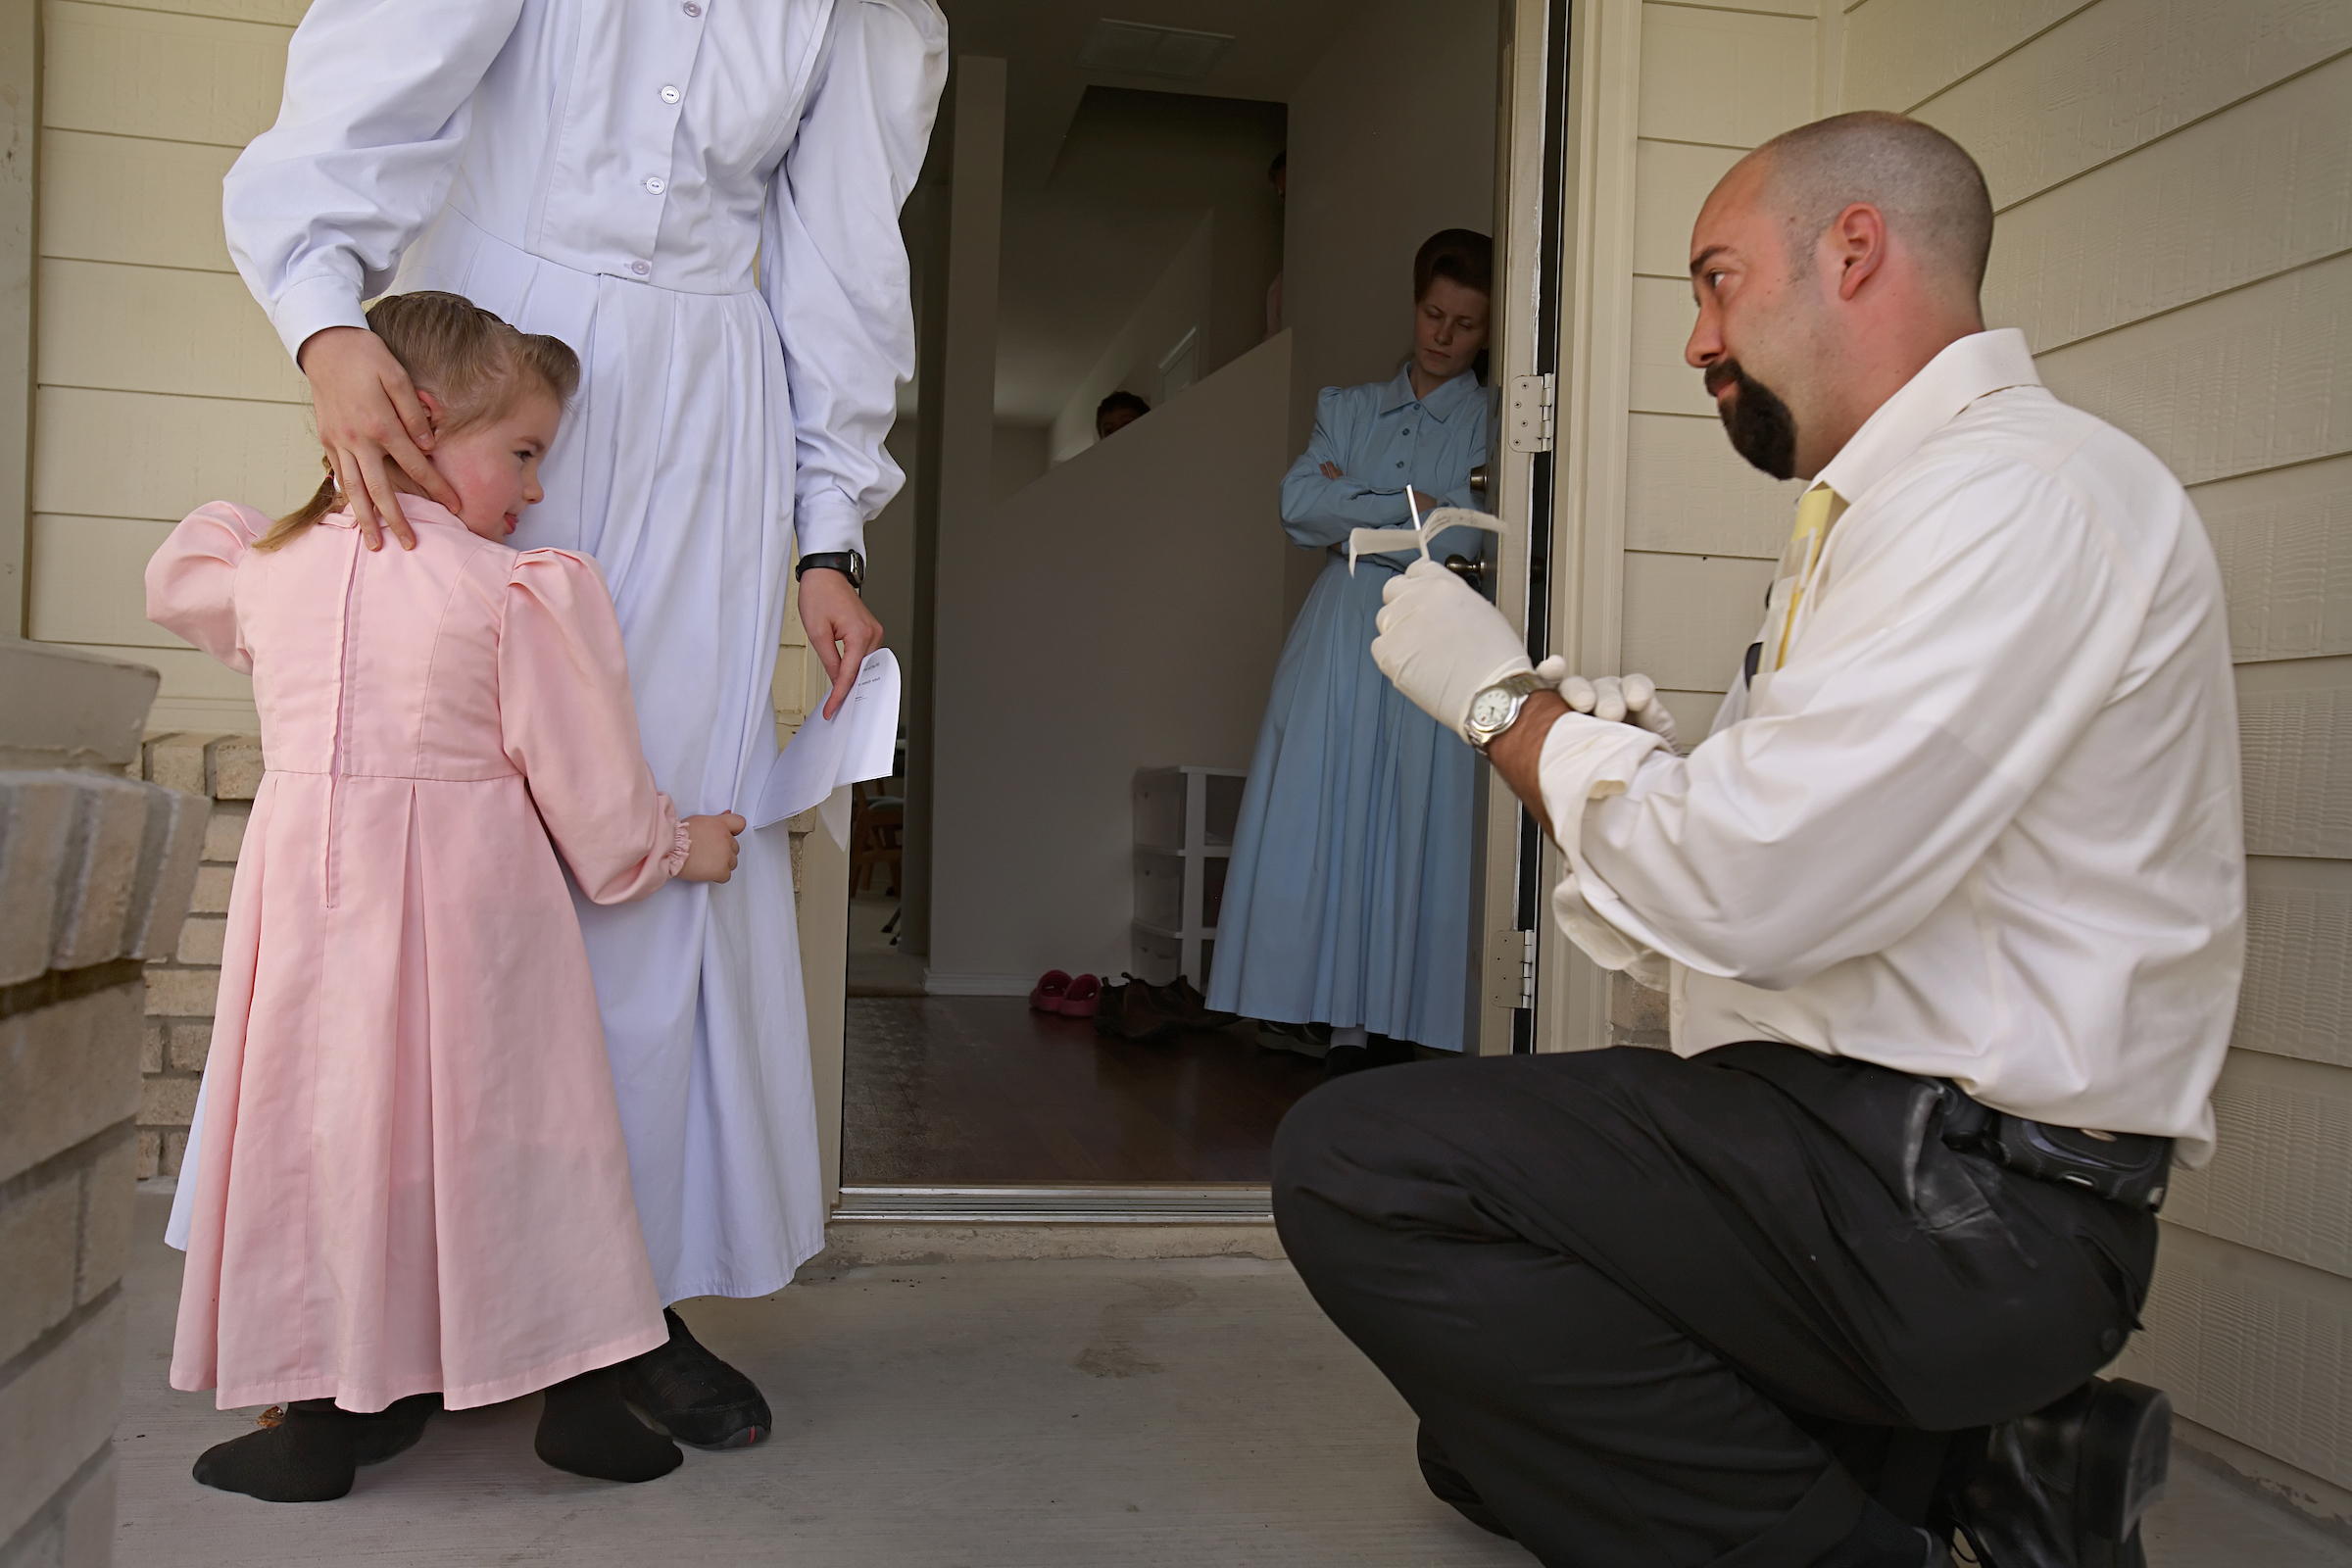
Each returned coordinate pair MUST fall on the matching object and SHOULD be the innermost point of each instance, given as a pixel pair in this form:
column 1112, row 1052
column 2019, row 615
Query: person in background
column 1950, row 907
column 1116, row 413
column 1348, row 903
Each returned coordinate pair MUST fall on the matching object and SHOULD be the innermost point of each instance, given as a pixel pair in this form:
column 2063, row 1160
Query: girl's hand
column 1427, row 502
column 368, row 417
column 710, row 848
column 1331, row 470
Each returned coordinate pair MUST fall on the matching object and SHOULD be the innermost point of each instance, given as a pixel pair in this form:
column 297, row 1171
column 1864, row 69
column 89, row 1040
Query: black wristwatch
column 849, row 563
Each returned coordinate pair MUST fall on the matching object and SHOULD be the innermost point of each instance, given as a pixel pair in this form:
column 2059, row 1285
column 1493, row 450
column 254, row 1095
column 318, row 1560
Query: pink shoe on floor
column 1084, row 997
column 1047, row 995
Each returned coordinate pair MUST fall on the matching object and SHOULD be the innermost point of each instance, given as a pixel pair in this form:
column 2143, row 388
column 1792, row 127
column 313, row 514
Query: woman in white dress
column 702, row 198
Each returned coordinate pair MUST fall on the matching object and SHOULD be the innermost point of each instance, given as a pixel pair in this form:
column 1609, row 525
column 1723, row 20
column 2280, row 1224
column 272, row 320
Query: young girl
column 412, row 1179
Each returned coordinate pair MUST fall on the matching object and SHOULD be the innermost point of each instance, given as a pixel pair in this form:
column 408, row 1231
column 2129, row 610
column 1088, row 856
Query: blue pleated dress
column 1348, row 898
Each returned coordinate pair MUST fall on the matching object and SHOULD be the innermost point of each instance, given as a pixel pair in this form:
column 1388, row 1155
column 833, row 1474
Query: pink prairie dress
column 411, row 1175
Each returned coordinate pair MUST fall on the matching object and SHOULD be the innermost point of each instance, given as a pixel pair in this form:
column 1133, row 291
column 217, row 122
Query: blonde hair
column 475, row 363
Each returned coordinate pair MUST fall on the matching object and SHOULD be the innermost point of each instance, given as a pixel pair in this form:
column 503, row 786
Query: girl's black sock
column 305, row 1459
column 588, row 1431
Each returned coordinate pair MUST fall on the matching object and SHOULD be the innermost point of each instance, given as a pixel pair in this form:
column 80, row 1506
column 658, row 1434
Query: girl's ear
column 434, row 410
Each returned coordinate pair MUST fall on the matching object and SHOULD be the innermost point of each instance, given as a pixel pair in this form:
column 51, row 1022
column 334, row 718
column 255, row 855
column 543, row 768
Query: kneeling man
column 1950, row 908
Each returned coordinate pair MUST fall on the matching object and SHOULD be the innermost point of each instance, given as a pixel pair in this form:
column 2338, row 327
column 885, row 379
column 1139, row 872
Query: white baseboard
column 978, row 985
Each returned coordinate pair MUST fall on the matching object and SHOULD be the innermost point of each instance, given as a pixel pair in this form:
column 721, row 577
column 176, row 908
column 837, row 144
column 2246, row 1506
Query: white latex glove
column 1441, row 643
column 1627, row 700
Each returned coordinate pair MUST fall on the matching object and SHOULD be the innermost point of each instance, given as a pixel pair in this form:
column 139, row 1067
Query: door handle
column 1478, row 479
column 1473, row 573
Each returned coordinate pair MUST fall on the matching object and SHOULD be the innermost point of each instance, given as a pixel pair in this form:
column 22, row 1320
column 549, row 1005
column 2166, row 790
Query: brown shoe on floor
column 1136, row 1012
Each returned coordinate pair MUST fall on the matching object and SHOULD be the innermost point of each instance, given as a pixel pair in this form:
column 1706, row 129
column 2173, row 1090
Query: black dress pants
column 1667, row 1312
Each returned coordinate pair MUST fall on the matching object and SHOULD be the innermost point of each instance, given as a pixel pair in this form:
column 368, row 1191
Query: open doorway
column 1081, row 614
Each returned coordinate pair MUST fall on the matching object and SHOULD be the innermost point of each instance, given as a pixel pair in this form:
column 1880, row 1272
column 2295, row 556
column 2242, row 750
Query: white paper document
column 858, row 743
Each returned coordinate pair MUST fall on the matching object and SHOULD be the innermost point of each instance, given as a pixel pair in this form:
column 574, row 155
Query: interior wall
column 1126, row 614
column 1016, row 455
column 890, row 550
column 1392, row 138
column 1179, row 303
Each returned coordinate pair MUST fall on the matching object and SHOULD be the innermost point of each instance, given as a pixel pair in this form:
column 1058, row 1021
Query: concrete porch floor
column 1029, row 1414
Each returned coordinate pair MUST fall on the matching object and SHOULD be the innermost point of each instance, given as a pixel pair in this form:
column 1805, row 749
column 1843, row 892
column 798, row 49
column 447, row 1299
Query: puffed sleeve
column 378, row 98
column 570, row 728
column 192, row 580
column 1319, row 511
column 833, row 266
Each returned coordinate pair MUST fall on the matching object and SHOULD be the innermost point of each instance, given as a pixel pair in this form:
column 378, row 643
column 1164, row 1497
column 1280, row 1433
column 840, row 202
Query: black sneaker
column 693, row 1396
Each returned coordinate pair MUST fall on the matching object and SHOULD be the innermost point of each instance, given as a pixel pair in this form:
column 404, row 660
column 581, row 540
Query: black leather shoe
column 1453, row 1488
column 2066, row 1487
column 693, row 1396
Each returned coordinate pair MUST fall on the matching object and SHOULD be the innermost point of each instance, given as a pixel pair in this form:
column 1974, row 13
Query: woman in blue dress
column 1348, row 901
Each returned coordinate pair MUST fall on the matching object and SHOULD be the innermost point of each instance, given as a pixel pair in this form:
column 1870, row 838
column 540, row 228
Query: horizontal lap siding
column 2283, row 537
column 2250, row 1345
column 161, row 383
column 2297, row 998
column 2117, row 75
column 1701, row 527
column 2175, row 185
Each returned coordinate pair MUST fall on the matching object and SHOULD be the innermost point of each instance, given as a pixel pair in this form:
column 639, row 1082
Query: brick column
column 95, row 873
column 181, row 986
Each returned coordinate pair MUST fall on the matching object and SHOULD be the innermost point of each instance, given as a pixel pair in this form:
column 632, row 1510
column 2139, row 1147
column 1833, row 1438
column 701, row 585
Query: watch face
column 1489, row 707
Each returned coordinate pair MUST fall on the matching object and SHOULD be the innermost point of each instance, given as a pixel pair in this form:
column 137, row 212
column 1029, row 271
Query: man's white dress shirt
column 1983, row 822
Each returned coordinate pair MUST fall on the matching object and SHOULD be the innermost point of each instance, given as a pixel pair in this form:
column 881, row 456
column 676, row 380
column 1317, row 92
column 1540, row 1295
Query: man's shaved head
column 1828, row 266
column 1931, row 192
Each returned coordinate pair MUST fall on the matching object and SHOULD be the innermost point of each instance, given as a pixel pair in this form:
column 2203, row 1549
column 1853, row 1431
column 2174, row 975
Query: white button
column 640, row 268
column 653, row 183
column 669, row 95
column 692, row 9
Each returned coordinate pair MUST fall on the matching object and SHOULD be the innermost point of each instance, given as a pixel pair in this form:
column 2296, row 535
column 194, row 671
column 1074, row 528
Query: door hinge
column 1512, row 975
column 1531, row 413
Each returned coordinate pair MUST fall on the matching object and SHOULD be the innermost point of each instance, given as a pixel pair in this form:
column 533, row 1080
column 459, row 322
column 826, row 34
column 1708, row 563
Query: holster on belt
column 2130, row 1168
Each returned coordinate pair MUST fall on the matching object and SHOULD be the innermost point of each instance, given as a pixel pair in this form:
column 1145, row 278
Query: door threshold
column 1064, row 1203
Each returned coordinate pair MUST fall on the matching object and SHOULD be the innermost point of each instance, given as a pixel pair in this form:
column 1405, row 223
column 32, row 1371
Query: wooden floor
column 952, row 1090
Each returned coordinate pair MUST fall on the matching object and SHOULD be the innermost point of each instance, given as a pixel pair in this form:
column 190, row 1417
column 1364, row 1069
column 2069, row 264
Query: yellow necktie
column 1817, row 511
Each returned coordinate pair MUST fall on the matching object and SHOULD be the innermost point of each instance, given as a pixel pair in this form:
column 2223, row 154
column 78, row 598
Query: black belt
column 2128, row 1168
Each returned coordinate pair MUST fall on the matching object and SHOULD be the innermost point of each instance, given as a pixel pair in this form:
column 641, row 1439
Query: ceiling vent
column 1139, row 49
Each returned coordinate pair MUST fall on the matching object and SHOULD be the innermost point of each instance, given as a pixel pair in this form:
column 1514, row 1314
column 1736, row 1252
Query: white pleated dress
column 610, row 171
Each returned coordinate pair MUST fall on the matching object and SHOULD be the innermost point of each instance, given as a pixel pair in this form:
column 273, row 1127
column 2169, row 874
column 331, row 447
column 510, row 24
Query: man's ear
column 435, row 412
column 1856, row 243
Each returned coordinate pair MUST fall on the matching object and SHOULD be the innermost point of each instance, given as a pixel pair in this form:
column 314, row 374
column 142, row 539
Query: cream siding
column 2175, row 188
column 2173, row 179
column 159, row 383
column 2173, row 182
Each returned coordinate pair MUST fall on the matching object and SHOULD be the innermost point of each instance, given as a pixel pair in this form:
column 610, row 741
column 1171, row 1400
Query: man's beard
column 1759, row 423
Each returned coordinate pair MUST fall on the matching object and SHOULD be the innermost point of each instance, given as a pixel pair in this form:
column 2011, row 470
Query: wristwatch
column 849, row 563
column 1496, row 707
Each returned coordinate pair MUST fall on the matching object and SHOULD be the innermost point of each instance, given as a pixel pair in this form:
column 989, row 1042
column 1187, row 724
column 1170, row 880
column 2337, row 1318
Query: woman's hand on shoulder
column 369, row 416
column 712, row 849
